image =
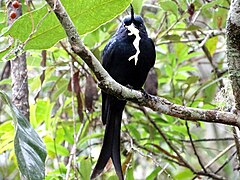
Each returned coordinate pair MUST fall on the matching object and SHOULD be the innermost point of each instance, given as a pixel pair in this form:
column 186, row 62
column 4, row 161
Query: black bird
column 131, row 72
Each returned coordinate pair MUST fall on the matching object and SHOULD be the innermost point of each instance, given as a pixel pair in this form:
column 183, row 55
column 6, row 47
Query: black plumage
column 116, row 61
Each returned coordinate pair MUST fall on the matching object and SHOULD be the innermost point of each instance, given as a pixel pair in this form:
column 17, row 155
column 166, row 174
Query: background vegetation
column 190, row 70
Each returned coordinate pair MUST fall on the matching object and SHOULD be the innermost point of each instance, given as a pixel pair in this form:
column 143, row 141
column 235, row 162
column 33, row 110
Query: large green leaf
column 212, row 44
column 85, row 168
column 169, row 6
column 29, row 148
column 154, row 173
column 211, row 4
column 137, row 5
column 87, row 15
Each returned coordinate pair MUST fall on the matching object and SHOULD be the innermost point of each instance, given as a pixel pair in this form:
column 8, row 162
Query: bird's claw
column 145, row 94
column 129, row 86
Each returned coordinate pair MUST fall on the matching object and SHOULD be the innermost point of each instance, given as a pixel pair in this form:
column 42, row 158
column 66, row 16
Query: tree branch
column 233, row 49
column 112, row 87
column 19, row 70
column 233, row 55
column 194, row 148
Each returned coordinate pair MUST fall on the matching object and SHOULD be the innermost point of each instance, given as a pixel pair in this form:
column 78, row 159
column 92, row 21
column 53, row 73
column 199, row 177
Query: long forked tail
column 111, row 142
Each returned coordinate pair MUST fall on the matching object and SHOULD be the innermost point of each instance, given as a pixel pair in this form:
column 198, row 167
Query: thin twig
column 186, row 164
column 202, row 43
column 179, row 41
column 220, row 155
column 235, row 136
column 168, row 156
column 194, row 148
column 209, row 139
column 42, row 76
column 73, row 151
column 34, row 30
column 223, row 7
column 166, row 140
column 73, row 57
column 226, row 162
column 211, row 175
column 171, row 27
column 208, row 55
column 148, row 155
column 160, row 27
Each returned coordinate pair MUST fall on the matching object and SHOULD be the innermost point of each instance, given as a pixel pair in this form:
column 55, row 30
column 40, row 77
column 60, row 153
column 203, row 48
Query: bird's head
column 137, row 22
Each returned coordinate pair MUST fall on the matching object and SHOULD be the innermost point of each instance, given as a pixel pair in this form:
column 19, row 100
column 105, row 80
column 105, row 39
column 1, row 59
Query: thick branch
column 110, row 86
column 233, row 48
column 19, row 71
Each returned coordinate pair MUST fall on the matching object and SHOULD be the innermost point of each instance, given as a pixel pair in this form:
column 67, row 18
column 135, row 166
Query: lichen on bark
column 233, row 49
column 19, row 71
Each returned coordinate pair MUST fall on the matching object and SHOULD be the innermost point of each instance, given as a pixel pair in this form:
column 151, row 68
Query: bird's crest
column 132, row 13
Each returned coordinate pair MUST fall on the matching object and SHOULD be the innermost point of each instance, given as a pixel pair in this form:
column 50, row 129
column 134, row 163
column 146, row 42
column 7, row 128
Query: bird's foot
column 145, row 94
column 129, row 86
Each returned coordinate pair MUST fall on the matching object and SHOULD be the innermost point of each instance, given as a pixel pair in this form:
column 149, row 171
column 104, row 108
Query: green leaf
column 153, row 174
column 6, row 127
column 130, row 175
column 42, row 113
column 185, row 174
column 211, row 4
column 5, row 81
column 173, row 37
column 48, row 29
column 68, row 134
column 137, row 5
column 206, row 85
column 36, row 83
column 212, row 44
column 29, row 148
column 85, row 168
column 192, row 79
column 186, row 68
column 57, row 149
column 134, row 131
column 210, row 93
column 58, row 173
column 6, row 136
column 179, row 76
column 179, row 129
column 181, row 51
column 219, row 18
column 169, row 70
column 60, row 91
column 86, row 138
column 113, row 177
column 193, row 28
column 169, row 6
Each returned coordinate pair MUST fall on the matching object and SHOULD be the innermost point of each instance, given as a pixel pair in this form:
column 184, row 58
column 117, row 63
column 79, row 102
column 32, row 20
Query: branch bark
column 233, row 58
column 112, row 87
column 19, row 70
column 233, row 49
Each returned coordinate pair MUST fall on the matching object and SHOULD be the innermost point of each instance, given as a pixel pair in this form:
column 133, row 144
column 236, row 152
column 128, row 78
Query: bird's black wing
column 108, row 53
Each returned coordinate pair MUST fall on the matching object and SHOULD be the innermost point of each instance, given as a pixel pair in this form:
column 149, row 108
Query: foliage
column 190, row 67
column 44, row 24
column 29, row 148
